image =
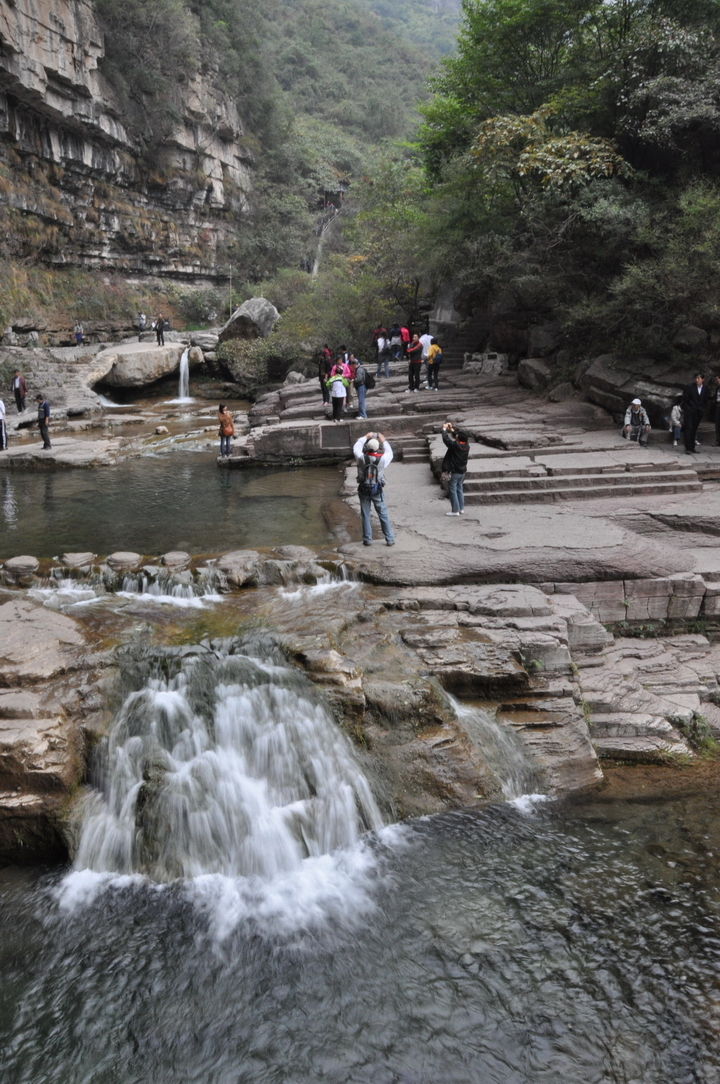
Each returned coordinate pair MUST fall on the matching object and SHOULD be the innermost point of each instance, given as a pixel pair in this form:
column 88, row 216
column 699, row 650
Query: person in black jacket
column 455, row 462
column 696, row 397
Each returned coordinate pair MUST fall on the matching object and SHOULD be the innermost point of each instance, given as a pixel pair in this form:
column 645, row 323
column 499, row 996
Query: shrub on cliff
column 257, row 362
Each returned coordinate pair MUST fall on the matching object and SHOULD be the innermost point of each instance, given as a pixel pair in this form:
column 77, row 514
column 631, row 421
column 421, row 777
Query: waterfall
column 184, row 385
column 501, row 750
column 222, row 763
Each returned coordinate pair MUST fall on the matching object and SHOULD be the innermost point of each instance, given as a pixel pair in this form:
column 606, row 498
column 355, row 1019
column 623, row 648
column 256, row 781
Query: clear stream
column 152, row 505
column 574, row 943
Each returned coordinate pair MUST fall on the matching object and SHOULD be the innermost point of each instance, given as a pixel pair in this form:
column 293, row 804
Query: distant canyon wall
column 74, row 187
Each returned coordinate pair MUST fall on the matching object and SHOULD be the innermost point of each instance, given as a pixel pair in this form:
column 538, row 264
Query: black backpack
column 369, row 381
column 369, row 477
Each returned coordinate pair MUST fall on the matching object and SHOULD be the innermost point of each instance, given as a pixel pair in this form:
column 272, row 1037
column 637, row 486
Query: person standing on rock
column 360, row 381
column 434, row 362
column 44, row 420
column 338, row 385
column 636, row 425
column 19, row 390
column 455, row 463
column 324, row 370
column 426, row 341
column 142, row 322
column 404, row 339
column 78, row 333
column 696, row 397
column 227, row 430
column 373, row 455
column 414, row 356
column 3, row 427
column 160, row 330
column 383, row 356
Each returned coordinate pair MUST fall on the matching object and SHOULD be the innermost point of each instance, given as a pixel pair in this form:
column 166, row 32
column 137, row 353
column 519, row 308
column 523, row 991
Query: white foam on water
column 528, row 803
column 193, row 602
column 57, row 598
column 309, row 591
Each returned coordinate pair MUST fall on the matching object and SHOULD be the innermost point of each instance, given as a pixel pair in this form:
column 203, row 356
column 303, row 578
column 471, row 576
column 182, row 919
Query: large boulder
column 255, row 319
column 135, row 364
column 690, row 338
column 544, row 338
column 534, row 373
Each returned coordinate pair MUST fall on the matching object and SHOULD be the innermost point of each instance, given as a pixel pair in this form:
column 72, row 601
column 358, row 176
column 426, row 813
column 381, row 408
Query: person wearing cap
column 637, row 424
column 695, row 401
column 373, row 454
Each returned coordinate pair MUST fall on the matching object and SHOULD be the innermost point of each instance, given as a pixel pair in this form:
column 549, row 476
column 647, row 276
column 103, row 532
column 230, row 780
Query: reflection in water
column 580, row 944
column 9, row 504
column 153, row 505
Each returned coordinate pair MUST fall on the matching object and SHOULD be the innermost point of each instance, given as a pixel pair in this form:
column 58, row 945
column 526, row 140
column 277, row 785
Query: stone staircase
column 574, row 476
column 414, row 449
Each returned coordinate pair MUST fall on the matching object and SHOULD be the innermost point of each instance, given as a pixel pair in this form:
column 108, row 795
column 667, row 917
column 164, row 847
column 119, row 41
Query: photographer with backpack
column 372, row 455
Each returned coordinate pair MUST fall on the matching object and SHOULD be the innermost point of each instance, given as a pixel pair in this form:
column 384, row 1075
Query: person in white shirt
column 426, row 341
column 372, row 455
column 3, row 427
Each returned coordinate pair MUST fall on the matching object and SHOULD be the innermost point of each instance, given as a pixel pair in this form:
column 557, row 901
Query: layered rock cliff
column 75, row 188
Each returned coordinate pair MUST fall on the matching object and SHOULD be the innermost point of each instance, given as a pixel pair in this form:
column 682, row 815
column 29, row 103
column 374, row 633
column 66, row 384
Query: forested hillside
column 321, row 86
column 566, row 174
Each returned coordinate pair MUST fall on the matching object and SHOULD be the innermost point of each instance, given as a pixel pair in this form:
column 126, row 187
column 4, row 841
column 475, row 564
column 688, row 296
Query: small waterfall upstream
column 222, row 763
column 184, row 381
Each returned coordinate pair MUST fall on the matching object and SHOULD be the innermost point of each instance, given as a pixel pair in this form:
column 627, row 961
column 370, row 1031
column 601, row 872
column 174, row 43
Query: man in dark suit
column 695, row 400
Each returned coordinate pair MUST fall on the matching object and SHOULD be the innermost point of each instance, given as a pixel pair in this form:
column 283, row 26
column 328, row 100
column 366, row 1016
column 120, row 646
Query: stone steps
column 590, row 489
column 475, row 483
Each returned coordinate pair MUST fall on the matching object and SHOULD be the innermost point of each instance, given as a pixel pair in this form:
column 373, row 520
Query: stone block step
column 475, row 483
column 586, row 492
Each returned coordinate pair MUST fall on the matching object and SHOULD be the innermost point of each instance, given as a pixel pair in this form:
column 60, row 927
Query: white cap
column 373, row 445
column 636, row 402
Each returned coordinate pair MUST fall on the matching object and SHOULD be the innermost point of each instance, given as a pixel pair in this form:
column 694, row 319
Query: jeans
column 386, row 359
column 225, row 445
column 361, row 401
column 379, row 501
column 433, row 374
column 457, row 494
column 414, row 375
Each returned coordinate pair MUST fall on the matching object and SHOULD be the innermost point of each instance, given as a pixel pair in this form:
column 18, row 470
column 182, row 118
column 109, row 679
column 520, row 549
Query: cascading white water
column 501, row 749
column 184, row 384
column 229, row 766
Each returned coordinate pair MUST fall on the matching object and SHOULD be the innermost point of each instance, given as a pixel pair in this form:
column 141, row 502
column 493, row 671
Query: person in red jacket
column 414, row 356
column 405, row 339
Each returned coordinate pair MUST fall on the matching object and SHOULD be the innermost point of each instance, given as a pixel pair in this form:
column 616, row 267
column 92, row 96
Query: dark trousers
column 160, row 336
column 338, row 402
column 19, row 401
column 717, row 423
column 691, row 421
column 45, row 434
column 324, row 389
column 433, row 375
column 414, row 375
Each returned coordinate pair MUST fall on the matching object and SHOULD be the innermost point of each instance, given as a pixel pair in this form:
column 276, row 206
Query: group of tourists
column 339, row 377
column 687, row 412
column 19, row 390
column 422, row 352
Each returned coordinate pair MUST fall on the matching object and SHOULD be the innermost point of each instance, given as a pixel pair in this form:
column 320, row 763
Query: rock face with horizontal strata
column 81, row 173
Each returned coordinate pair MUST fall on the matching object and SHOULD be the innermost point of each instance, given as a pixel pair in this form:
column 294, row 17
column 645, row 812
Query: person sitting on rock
column 676, row 422
column 637, row 424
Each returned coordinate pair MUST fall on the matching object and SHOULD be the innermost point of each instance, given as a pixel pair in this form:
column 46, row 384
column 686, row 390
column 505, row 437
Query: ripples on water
column 579, row 944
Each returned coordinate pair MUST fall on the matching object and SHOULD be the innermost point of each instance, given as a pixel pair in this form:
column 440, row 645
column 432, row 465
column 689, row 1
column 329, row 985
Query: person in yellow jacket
column 434, row 363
